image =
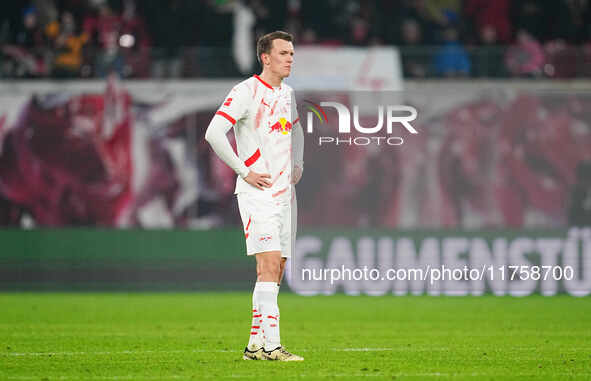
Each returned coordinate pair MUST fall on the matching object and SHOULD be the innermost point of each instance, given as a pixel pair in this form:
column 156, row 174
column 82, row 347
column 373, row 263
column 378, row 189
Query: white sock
column 256, row 339
column 267, row 299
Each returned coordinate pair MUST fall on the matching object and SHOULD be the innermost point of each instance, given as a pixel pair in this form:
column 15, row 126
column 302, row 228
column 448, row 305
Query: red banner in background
column 88, row 159
column 134, row 156
column 67, row 159
column 482, row 159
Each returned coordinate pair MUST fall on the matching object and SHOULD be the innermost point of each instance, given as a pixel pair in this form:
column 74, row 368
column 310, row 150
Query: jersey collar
column 265, row 83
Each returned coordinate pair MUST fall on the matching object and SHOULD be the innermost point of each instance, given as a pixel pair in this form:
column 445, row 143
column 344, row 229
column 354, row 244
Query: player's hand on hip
column 259, row 180
column 296, row 174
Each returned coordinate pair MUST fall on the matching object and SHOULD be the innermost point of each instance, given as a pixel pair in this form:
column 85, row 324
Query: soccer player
column 269, row 139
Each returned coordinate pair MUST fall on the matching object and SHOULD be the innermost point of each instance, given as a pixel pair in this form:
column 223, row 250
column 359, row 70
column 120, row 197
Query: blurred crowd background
column 195, row 38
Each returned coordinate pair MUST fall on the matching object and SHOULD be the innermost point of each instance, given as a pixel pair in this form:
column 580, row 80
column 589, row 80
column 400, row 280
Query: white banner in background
column 346, row 68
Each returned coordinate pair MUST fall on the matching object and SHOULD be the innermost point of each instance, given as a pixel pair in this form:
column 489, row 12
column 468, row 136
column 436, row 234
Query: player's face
column 281, row 58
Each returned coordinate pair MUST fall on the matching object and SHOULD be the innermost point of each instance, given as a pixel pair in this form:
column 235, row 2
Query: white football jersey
column 263, row 118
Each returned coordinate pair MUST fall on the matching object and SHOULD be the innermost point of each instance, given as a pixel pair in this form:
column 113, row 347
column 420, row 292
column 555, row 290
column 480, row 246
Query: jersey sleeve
column 232, row 109
column 235, row 105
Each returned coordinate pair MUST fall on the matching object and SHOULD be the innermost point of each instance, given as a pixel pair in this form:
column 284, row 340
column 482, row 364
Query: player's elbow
column 209, row 135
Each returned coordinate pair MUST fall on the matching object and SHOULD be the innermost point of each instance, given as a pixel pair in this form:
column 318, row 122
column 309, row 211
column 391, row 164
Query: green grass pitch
column 193, row 336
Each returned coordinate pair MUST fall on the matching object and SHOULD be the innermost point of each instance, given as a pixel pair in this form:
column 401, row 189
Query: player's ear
column 265, row 58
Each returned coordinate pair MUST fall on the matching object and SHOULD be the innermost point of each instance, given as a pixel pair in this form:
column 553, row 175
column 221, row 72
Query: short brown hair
column 265, row 43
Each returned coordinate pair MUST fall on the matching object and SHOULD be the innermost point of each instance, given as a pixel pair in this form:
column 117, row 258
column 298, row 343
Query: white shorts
column 268, row 224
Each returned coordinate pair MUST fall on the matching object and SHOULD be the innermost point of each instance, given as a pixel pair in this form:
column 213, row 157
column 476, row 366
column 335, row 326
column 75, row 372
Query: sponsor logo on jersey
column 282, row 125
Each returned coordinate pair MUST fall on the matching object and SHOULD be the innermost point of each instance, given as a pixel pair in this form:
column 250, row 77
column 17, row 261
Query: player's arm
column 215, row 135
column 297, row 144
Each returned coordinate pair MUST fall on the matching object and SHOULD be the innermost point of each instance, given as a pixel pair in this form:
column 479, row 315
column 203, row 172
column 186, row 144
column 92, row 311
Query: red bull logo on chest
column 282, row 125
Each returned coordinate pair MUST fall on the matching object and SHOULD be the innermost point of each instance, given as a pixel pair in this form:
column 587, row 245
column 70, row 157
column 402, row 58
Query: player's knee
column 269, row 267
column 273, row 269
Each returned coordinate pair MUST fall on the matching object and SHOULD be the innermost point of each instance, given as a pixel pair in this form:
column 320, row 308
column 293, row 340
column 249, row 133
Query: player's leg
column 263, row 220
column 254, row 348
column 265, row 311
column 286, row 236
column 266, row 290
